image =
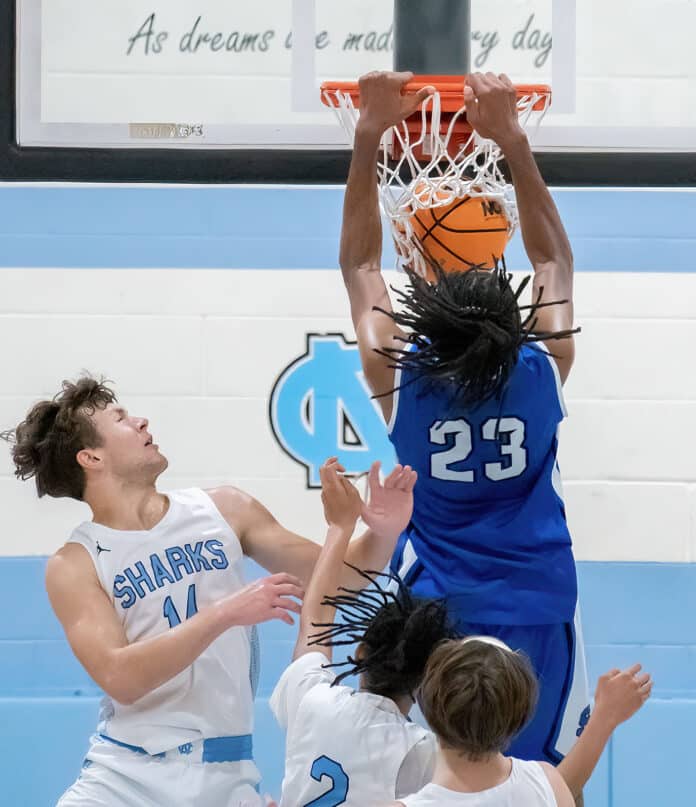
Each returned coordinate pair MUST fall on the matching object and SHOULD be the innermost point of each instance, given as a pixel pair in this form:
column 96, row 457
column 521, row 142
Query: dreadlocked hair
column 467, row 329
column 396, row 633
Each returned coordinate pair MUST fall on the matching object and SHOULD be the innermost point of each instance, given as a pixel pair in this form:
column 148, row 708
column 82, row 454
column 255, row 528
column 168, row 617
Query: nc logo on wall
column 321, row 407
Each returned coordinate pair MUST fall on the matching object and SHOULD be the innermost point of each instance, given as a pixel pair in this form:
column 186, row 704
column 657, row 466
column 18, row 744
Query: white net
column 432, row 162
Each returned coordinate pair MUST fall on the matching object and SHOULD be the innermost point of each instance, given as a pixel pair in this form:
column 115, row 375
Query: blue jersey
column 488, row 530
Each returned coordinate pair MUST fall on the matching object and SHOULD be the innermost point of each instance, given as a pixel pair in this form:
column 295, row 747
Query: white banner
column 216, row 62
column 247, row 73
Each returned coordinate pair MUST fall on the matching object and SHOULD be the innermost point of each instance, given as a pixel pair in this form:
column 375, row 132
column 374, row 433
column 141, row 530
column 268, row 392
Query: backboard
column 130, row 74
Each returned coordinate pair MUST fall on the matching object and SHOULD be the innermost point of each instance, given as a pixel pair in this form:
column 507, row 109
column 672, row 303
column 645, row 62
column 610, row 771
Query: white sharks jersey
column 156, row 579
column 346, row 747
column 527, row 786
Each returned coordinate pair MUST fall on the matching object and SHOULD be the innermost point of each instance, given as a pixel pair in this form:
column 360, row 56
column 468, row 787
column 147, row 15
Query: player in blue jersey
column 473, row 398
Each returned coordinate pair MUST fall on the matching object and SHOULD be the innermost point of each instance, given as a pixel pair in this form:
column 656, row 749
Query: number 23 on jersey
column 508, row 432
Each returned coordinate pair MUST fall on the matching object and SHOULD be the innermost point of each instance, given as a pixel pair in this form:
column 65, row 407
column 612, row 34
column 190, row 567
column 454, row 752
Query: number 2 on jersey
column 321, row 767
column 172, row 614
column 509, row 432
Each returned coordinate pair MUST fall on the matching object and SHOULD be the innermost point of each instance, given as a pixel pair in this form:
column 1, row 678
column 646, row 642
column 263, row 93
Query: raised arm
column 126, row 671
column 342, row 506
column 387, row 512
column 564, row 798
column 278, row 549
column 492, row 111
column 618, row 697
column 360, row 254
column 382, row 105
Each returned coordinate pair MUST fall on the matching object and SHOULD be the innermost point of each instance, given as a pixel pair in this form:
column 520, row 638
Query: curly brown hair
column 45, row 444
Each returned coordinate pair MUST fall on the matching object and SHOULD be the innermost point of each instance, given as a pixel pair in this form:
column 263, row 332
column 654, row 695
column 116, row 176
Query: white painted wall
column 197, row 352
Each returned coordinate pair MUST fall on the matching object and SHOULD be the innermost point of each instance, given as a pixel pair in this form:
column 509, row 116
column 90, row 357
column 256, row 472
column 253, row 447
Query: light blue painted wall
column 228, row 227
column 631, row 611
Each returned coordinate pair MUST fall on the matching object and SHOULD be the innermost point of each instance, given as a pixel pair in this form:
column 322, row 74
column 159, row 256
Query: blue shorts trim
column 135, row 748
column 215, row 749
column 228, row 749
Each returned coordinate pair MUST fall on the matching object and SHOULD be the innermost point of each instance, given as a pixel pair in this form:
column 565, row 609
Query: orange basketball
column 469, row 231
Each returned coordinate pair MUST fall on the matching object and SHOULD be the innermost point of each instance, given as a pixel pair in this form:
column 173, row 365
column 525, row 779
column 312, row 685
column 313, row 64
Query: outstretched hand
column 620, row 694
column 389, row 505
column 491, row 107
column 383, row 103
column 273, row 597
column 341, row 500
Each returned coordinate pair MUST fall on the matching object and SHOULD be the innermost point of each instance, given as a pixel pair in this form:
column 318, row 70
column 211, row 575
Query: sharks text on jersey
column 167, row 566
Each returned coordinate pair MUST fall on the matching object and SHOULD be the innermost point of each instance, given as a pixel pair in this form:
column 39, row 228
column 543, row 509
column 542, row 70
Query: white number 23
column 509, row 432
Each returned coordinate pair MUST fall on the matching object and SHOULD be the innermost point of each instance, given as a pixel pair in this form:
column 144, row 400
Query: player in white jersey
column 477, row 694
column 356, row 748
column 526, row 785
column 343, row 746
column 152, row 598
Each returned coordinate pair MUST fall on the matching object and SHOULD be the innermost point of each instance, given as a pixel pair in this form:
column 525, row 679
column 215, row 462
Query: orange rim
column 451, row 89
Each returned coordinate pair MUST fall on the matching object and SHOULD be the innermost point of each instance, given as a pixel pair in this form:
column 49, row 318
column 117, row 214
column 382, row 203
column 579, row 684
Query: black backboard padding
column 432, row 38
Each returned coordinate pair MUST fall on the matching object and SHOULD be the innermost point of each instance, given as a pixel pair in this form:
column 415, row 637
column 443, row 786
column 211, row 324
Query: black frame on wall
column 27, row 164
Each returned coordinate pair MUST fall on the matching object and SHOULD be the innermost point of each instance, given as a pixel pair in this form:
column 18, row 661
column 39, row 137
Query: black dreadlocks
column 467, row 330
column 396, row 633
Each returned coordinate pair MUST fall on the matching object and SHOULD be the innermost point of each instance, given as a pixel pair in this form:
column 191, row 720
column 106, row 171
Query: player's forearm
column 544, row 235
column 369, row 552
column 137, row 669
column 326, row 579
column 579, row 764
column 361, row 234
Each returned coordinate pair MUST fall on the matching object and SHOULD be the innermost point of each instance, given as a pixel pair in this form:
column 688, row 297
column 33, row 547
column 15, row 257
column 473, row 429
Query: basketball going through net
column 440, row 184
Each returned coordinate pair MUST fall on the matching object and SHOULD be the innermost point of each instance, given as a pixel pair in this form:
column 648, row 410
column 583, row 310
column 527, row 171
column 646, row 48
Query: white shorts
column 115, row 776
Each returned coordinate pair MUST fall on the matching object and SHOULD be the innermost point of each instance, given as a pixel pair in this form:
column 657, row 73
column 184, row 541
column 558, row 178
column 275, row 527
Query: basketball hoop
column 434, row 160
